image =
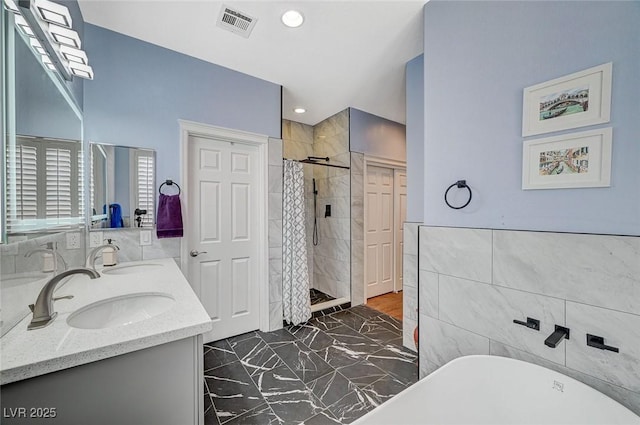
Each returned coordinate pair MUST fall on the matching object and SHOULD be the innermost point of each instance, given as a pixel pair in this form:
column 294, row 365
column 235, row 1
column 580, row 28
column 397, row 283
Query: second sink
column 120, row 311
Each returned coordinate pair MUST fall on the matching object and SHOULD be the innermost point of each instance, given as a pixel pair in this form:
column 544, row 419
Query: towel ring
column 460, row 184
column 169, row 182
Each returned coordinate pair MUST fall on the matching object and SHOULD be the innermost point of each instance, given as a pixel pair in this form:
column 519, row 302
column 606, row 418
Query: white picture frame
column 574, row 160
column 575, row 100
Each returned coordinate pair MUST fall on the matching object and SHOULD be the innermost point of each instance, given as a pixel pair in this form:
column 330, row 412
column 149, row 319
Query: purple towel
column 169, row 223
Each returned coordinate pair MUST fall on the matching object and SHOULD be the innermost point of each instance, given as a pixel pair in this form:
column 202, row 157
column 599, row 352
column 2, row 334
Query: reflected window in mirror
column 122, row 187
column 44, row 184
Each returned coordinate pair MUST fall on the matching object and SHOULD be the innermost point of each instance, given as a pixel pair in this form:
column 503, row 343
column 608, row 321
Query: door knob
column 195, row 253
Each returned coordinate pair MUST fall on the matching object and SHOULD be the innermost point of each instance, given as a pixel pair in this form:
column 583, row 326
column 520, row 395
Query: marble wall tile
column 489, row 310
column 627, row 398
column 275, row 233
column 336, row 249
column 357, row 163
column 275, row 179
column 428, row 293
column 275, row 206
column 410, row 237
column 161, row 248
column 340, row 207
column 7, row 264
column 275, row 316
column 441, row 342
column 275, row 152
column 408, row 326
column 334, row 228
column 332, row 269
column 357, row 272
column 129, row 243
column 409, row 270
column 464, row 253
column 564, row 265
column 275, row 280
column 621, row 330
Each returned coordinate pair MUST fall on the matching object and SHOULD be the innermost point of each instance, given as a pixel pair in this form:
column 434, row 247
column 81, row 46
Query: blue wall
column 377, row 136
column 415, row 138
column 141, row 90
column 478, row 58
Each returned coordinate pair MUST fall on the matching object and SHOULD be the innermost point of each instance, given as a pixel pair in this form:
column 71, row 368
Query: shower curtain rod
column 317, row 163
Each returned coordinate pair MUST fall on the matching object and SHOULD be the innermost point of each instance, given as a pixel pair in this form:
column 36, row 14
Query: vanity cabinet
column 160, row 385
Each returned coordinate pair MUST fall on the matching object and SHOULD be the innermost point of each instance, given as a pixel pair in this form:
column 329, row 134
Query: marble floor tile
column 256, row 355
column 287, row 395
column 350, row 319
column 363, row 373
column 276, row 338
column 325, row 322
column 218, row 354
column 262, row 415
column 322, row 372
column 352, row 406
column 388, row 322
column 341, row 355
column 331, row 387
column 353, row 340
column 366, row 312
column 233, row 393
column 312, row 336
column 394, row 362
column 322, row 418
column 306, row 364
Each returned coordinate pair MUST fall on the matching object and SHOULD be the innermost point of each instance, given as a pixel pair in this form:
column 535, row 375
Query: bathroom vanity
column 126, row 349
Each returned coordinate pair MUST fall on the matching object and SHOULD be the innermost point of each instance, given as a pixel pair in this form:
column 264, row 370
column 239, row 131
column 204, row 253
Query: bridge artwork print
column 564, row 103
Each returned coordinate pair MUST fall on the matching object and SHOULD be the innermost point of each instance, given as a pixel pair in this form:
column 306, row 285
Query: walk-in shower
column 327, row 227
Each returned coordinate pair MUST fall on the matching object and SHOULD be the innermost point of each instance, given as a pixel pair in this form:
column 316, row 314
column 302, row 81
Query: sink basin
column 120, row 311
column 132, row 269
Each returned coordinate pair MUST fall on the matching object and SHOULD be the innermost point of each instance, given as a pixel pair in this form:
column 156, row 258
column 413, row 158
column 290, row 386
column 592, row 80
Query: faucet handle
column 31, row 307
column 66, row 297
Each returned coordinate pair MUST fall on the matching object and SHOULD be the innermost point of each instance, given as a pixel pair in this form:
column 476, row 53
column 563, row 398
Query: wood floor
column 390, row 304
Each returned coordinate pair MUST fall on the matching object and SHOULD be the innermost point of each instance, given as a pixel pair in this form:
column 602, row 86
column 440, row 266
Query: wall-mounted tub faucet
column 558, row 335
column 43, row 313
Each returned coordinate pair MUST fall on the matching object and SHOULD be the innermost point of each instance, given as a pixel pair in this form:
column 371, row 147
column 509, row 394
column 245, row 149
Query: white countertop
column 26, row 354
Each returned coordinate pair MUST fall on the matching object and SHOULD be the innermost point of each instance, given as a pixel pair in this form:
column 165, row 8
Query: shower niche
column 323, row 150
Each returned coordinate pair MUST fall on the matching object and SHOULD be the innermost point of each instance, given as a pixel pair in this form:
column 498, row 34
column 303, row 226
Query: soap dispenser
column 110, row 254
column 49, row 258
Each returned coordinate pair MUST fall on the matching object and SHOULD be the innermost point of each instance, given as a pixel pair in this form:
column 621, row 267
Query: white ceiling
column 346, row 54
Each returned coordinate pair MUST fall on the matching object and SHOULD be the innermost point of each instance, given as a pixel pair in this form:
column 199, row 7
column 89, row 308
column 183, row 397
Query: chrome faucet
column 93, row 255
column 43, row 313
column 50, row 249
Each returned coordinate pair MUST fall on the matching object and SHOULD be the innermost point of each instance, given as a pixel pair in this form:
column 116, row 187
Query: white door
column 223, row 235
column 379, row 225
column 400, row 191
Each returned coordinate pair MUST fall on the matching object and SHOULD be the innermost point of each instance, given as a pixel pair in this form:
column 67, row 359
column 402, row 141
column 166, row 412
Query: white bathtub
column 498, row 390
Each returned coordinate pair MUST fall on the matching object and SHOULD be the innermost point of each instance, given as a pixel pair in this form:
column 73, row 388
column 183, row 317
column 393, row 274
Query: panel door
column 223, row 226
column 379, row 226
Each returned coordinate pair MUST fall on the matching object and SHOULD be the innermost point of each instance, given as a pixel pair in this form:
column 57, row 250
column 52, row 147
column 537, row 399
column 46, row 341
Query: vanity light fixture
column 64, row 36
column 37, row 46
column 11, row 5
column 24, row 26
column 299, row 110
column 74, row 55
column 53, row 12
column 80, row 70
column 292, row 18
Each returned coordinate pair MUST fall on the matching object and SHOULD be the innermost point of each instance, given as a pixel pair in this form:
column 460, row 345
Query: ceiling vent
column 235, row 21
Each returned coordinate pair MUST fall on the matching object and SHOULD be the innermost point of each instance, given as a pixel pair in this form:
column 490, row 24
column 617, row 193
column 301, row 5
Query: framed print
column 572, row 101
column 572, row 160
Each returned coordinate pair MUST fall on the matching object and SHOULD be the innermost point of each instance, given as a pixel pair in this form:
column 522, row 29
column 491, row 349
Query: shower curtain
column 295, row 272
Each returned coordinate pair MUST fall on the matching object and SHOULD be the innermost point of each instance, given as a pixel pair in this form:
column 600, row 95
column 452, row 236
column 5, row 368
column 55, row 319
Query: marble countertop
column 26, row 354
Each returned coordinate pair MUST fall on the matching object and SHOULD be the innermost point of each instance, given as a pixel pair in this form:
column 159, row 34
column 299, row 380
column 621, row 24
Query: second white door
column 379, row 249
column 223, row 233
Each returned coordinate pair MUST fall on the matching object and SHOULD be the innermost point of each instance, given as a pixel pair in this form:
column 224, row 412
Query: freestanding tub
column 498, row 390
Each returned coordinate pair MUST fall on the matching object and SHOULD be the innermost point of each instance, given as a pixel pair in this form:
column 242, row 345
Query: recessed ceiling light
column 292, row 18
column 299, row 110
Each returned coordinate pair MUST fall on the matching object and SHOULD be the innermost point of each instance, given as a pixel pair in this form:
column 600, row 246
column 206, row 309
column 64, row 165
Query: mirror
column 41, row 163
column 44, row 158
column 122, row 187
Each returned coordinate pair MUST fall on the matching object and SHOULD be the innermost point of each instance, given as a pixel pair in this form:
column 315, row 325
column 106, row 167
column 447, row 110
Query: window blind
column 145, row 183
